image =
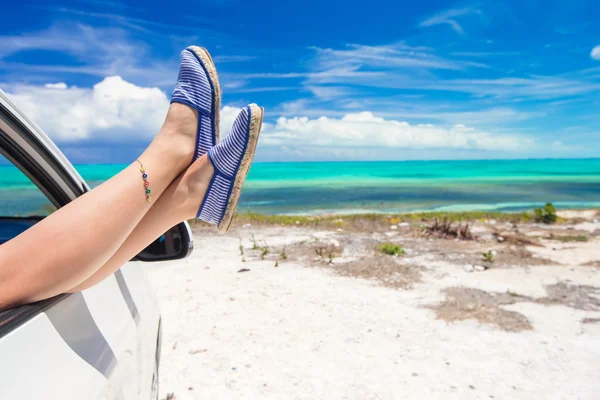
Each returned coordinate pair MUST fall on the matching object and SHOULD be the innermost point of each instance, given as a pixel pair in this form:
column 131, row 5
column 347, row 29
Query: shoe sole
column 208, row 63
column 256, row 117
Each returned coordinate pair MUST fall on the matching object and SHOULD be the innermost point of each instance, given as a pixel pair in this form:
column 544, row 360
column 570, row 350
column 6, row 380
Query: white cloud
column 530, row 87
column 328, row 92
column 533, row 87
column 97, row 44
column 228, row 116
column 357, row 64
column 449, row 17
column 595, row 54
column 364, row 130
column 60, row 85
column 110, row 109
column 99, row 51
column 400, row 66
column 393, row 56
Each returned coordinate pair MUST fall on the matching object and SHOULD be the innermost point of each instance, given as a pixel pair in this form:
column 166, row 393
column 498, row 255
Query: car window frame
column 29, row 149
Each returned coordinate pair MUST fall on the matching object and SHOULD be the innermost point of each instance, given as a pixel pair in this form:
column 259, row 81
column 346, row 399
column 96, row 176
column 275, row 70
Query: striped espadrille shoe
column 198, row 87
column 231, row 159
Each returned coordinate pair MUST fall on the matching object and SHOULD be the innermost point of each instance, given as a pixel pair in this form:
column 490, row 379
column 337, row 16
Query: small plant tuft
column 546, row 214
column 391, row 249
column 254, row 243
column 241, row 248
column 488, row 256
column 264, row 252
column 331, row 257
column 276, row 263
column 283, row 255
column 320, row 251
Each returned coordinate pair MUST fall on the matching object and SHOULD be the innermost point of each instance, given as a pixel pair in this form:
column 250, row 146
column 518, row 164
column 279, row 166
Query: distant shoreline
column 343, row 220
column 456, row 209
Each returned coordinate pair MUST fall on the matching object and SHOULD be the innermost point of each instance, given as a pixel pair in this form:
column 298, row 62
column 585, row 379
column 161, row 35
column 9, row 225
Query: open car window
column 22, row 203
column 19, row 196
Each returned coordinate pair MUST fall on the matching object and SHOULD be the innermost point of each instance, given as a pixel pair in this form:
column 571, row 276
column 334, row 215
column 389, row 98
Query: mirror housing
column 174, row 244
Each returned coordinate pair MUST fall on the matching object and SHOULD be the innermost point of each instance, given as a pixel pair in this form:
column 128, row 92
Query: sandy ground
column 303, row 330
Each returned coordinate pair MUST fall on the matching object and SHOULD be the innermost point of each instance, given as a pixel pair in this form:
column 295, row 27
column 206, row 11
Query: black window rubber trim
column 33, row 170
column 15, row 317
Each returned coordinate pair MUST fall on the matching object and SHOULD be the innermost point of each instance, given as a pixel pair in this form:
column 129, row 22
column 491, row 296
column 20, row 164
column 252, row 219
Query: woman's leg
column 178, row 203
column 67, row 247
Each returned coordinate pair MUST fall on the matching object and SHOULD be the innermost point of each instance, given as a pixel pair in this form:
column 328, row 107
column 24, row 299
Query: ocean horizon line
column 395, row 161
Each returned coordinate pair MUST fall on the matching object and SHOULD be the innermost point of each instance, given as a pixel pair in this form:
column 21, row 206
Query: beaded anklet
column 146, row 183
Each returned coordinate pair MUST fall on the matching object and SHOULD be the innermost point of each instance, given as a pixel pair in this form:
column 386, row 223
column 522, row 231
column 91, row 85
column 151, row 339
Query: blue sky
column 339, row 80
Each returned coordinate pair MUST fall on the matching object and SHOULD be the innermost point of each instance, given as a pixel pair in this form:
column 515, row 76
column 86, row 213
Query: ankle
column 195, row 184
column 178, row 132
column 173, row 151
column 181, row 119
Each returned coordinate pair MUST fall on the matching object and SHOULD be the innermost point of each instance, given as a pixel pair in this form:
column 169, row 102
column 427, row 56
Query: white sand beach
column 307, row 332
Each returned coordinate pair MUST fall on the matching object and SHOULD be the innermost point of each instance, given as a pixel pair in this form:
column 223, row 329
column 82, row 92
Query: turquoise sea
column 386, row 186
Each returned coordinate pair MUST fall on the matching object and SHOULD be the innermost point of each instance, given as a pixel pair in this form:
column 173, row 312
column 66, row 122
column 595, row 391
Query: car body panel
column 88, row 345
column 37, row 363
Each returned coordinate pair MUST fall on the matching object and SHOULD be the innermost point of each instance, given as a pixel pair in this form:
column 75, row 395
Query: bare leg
column 67, row 247
column 178, row 203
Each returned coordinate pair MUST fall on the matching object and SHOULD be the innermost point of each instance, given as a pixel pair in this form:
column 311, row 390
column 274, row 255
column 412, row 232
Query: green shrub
column 391, row 249
column 546, row 214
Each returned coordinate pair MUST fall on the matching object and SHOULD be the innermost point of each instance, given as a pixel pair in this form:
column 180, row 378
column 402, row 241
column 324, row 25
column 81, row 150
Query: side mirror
column 174, row 244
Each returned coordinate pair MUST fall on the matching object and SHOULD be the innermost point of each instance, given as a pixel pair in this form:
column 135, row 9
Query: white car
column 102, row 343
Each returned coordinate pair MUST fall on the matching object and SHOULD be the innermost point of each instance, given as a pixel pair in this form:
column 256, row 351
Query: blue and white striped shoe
column 231, row 159
column 198, row 87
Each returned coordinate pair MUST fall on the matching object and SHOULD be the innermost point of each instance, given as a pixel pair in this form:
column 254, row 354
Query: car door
column 102, row 343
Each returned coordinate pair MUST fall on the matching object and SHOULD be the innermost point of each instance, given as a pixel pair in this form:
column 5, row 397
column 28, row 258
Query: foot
column 198, row 88
column 191, row 186
column 231, row 160
column 191, row 127
column 178, row 133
